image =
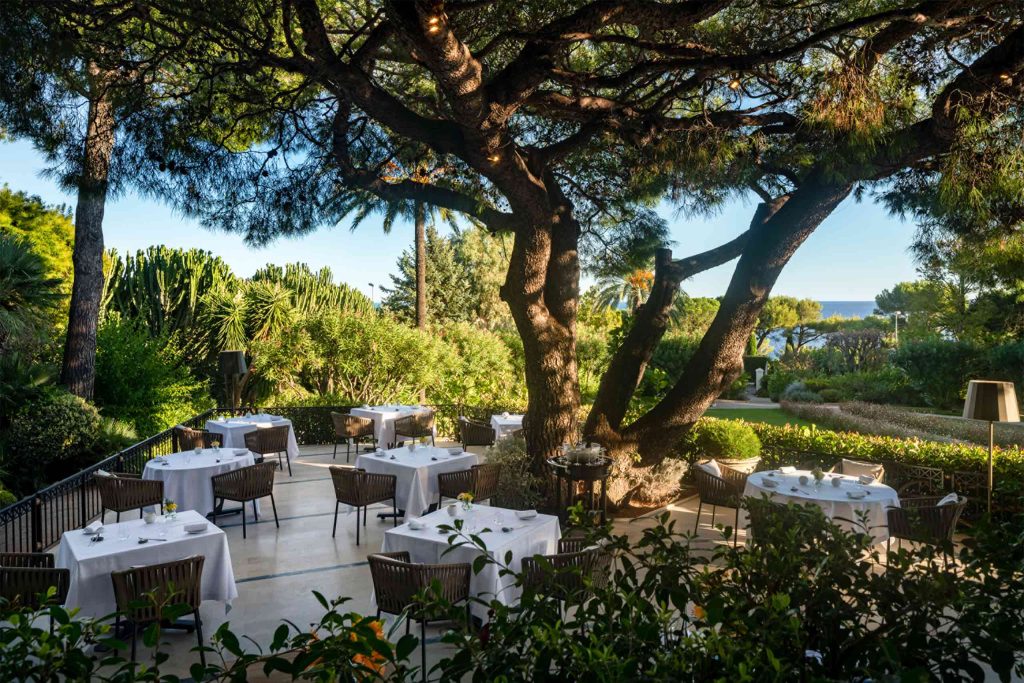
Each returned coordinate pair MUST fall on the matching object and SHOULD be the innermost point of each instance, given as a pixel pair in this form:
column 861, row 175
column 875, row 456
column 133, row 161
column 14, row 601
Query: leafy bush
column 478, row 369
column 725, row 439
column 519, row 488
column 943, row 427
column 143, row 379
column 50, row 438
column 940, row 369
column 841, row 420
column 797, row 392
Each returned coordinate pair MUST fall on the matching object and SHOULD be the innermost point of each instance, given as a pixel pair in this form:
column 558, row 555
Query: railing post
column 81, row 502
column 36, row 532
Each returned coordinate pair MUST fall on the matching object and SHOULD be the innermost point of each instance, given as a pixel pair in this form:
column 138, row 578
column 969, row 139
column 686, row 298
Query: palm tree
column 26, row 293
column 630, row 289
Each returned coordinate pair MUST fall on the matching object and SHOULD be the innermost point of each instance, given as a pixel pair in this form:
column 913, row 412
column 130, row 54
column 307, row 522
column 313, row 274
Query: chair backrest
column 128, row 493
column 858, row 468
column 188, row 438
column 177, row 582
column 418, row 424
column 475, row 433
column 351, row 425
column 724, row 490
column 394, row 580
column 28, row 586
column 38, row 560
column 487, row 478
column 354, row 486
column 245, row 483
column 565, row 576
column 922, row 519
column 451, row 484
column 264, row 440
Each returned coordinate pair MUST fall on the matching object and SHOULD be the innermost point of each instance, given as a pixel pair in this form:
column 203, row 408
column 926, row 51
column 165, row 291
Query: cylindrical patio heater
column 233, row 368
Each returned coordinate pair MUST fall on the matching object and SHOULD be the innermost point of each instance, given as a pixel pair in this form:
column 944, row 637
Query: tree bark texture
column 78, row 371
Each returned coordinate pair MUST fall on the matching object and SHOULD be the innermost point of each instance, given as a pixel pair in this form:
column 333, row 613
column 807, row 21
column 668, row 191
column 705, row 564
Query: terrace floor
column 277, row 570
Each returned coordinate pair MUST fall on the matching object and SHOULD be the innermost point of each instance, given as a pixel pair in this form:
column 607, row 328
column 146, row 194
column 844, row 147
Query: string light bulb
column 434, row 24
column 734, row 84
column 494, row 158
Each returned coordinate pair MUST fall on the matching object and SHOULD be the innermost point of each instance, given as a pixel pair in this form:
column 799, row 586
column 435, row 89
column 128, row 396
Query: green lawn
column 772, row 416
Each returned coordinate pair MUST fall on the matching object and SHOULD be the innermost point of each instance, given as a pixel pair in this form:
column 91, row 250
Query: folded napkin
column 239, row 452
column 416, row 525
column 93, row 527
column 455, row 451
column 526, row 514
column 787, row 469
column 949, row 499
column 866, row 479
column 195, row 527
column 856, row 494
column 104, row 473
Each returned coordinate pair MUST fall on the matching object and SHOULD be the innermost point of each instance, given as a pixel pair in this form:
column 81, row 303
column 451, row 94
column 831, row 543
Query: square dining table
column 416, row 473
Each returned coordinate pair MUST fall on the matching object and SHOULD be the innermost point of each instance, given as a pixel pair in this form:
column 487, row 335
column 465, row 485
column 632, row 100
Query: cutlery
column 143, row 539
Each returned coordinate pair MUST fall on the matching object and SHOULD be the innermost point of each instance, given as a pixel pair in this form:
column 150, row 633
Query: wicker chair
column 266, row 441
column 921, row 520
column 724, row 491
column 480, row 480
column 38, row 560
column 858, row 468
column 349, row 429
column 244, row 485
column 361, row 489
column 123, row 492
column 397, row 581
column 568, row 576
column 473, row 433
column 415, row 426
column 28, row 586
column 177, row 582
column 187, row 439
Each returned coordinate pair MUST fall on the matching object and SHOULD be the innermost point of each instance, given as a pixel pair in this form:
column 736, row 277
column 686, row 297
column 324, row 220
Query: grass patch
column 771, row 416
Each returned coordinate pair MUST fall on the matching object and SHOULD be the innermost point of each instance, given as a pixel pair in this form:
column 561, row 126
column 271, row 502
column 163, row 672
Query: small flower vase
column 171, row 516
column 467, row 505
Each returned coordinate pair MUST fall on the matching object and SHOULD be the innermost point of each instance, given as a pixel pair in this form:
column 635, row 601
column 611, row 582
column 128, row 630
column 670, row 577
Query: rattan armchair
column 28, row 586
column 246, row 484
column 141, row 593
column 857, row 468
column 415, row 426
column 360, row 489
column 188, row 439
column 38, row 560
column 350, row 429
column 724, row 491
column 397, row 582
column 473, row 433
column 567, row 577
column 266, row 441
column 922, row 520
column 123, row 492
column 480, row 480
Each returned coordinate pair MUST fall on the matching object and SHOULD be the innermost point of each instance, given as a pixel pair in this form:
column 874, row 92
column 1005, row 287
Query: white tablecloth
column 384, row 420
column 186, row 476
column 91, row 563
column 416, row 472
column 537, row 536
column 234, row 429
column 834, row 502
column 505, row 425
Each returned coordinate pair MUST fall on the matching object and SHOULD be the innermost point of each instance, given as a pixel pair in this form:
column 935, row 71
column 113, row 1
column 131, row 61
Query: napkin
column 949, row 499
column 93, row 527
column 195, row 527
column 416, row 525
column 102, row 473
column 866, row 479
column 526, row 514
column 239, row 452
column 787, row 469
column 856, row 495
column 455, row 451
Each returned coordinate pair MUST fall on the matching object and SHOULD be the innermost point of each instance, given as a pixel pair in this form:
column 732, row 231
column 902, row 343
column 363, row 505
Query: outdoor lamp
column 232, row 366
column 994, row 402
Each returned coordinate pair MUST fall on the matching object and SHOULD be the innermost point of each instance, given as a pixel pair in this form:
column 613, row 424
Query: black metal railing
column 37, row 522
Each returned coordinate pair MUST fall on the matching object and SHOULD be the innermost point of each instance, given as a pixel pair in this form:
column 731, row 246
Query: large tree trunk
column 542, row 291
column 421, row 266
column 78, row 372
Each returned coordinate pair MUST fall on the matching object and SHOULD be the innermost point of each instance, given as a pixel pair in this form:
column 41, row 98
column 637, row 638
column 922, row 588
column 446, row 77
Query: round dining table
column 186, row 475
column 852, row 505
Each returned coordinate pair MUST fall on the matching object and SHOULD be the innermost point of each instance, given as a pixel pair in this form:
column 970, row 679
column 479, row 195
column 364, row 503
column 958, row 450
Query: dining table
column 852, row 503
column 504, row 424
column 384, row 417
column 92, row 557
column 232, row 430
column 416, row 472
column 501, row 530
column 186, row 475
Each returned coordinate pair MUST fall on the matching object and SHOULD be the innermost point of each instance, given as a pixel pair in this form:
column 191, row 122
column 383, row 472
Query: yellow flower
column 465, row 497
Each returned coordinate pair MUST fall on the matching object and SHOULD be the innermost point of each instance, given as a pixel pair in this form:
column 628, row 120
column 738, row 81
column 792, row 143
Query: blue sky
column 856, row 253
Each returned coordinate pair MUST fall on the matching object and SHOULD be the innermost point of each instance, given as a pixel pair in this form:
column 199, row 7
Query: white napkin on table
column 526, row 514
column 787, row 469
column 866, row 479
column 93, row 527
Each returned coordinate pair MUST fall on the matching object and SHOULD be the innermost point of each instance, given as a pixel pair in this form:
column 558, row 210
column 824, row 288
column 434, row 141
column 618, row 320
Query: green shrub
column 829, row 395
column 940, row 369
column 798, row 392
column 478, row 370
column 144, row 380
column 725, row 439
column 518, row 488
column 51, row 438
